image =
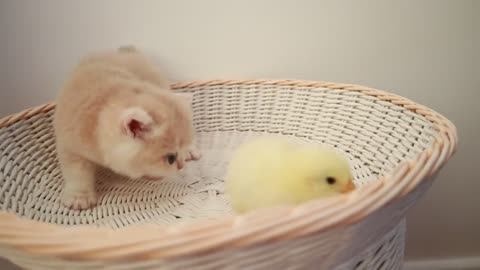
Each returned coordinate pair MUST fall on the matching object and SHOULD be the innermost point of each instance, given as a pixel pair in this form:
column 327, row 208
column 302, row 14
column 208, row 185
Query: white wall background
column 422, row 49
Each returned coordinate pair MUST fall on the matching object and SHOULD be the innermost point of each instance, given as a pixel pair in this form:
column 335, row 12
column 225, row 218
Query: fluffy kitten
column 117, row 110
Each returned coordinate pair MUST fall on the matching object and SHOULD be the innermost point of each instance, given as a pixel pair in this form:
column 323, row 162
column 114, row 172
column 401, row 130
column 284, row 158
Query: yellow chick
column 273, row 170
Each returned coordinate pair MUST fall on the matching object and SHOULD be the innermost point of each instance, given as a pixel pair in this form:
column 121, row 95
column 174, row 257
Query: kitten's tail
column 127, row 48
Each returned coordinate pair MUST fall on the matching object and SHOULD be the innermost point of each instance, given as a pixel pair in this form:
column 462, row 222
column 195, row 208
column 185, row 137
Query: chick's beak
column 348, row 187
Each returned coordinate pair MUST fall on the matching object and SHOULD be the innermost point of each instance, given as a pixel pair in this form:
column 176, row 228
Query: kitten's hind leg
column 79, row 182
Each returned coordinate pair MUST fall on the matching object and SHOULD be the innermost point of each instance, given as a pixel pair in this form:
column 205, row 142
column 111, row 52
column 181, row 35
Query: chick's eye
column 331, row 180
column 171, row 158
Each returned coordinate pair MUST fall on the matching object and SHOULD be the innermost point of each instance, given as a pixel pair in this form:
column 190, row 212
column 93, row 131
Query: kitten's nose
column 179, row 164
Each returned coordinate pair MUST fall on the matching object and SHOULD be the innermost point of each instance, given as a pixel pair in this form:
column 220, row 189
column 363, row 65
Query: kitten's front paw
column 79, row 200
column 193, row 154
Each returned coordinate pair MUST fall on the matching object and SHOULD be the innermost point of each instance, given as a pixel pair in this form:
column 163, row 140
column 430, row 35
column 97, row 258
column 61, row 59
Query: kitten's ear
column 136, row 122
column 186, row 98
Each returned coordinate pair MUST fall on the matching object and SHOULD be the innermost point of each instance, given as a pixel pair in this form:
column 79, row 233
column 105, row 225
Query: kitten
column 116, row 110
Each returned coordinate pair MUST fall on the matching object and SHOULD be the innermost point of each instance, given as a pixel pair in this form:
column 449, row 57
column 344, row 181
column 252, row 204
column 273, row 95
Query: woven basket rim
column 144, row 241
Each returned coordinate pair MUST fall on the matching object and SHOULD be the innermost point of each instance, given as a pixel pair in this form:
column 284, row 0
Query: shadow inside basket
column 32, row 183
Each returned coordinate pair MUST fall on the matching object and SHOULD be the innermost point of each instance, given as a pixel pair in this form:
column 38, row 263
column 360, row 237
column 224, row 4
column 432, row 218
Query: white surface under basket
column 394, row 145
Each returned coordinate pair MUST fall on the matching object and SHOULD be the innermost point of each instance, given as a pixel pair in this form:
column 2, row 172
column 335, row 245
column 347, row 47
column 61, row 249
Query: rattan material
column 394, row 145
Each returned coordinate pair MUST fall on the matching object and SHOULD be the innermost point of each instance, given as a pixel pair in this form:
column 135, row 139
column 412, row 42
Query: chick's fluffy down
column 273, row 170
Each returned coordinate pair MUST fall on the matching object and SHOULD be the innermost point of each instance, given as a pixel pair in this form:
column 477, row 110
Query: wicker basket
column 395, row 146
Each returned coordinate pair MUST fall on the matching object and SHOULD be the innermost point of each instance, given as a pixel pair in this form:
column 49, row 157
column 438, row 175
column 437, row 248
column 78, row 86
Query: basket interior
column 375, row 136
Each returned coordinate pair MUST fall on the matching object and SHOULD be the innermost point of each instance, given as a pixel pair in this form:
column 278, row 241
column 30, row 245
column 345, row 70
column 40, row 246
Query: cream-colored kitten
column 117, row 110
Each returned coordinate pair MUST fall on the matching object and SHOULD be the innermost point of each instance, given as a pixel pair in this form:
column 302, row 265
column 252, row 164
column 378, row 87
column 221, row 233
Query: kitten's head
column 153, row 136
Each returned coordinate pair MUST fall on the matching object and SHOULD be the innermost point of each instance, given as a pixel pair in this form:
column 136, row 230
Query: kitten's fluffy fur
column 117, row 110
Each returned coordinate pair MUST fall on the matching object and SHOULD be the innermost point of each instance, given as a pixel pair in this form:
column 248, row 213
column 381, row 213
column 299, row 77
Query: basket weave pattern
column 394, row 145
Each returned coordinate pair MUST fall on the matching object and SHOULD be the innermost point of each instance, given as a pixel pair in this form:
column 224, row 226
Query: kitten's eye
column 331, row 180
column 171, row 158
